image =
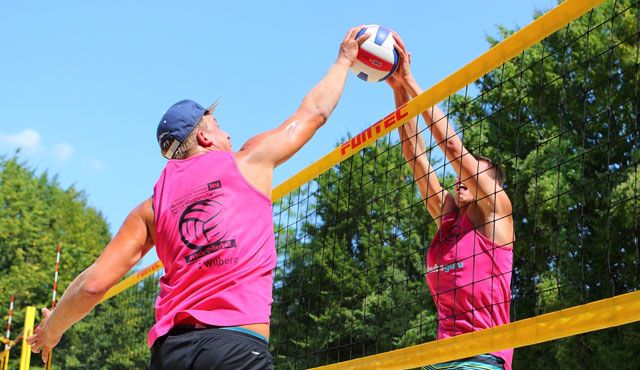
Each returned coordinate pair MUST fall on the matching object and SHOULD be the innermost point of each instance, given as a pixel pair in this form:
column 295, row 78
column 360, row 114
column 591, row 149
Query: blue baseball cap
column 178, row 122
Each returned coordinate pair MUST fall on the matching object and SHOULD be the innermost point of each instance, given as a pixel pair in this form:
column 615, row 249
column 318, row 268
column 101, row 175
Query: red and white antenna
column 53, row 300
column 55, row 279
column 6, row 346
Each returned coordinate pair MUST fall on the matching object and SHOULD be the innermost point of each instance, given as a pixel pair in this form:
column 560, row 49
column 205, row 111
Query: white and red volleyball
column 377, row 57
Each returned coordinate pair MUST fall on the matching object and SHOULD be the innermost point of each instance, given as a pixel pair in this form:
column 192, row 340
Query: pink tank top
column 214, row 236
column 469, row 277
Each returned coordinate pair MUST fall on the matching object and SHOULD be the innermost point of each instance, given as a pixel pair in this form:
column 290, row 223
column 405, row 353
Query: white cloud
column 96, row 165
column 63, row 151
column 28, row 140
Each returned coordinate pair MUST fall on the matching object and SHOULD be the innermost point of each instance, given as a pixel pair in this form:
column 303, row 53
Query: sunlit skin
column 464, row 197
column 219, row 138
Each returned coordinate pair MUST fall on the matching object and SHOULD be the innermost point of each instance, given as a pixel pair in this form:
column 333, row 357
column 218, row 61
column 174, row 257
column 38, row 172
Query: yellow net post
column 47, row 365
column 25, row 355
column 4, row 359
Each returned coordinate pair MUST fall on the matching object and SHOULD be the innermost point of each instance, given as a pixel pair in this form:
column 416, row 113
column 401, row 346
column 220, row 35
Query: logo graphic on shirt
column 207, row 191
column 202, row 225
column 445, row 268
column 453, row 234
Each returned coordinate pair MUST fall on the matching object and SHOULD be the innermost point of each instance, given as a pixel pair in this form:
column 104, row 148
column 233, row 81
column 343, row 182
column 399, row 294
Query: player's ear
column 204, row 139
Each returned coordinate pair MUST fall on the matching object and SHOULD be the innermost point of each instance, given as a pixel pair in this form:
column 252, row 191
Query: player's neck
column 470, row 209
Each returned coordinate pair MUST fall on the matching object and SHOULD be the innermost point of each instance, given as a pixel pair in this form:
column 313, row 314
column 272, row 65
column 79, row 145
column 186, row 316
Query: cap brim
column 213, row 106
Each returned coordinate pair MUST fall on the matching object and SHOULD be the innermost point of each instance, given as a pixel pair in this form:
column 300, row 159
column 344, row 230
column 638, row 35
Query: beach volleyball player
column 210, row 218
column 470, row 259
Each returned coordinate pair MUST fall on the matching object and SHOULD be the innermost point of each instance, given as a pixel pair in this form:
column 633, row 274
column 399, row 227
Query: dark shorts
column 211, row 348
column 487, row 362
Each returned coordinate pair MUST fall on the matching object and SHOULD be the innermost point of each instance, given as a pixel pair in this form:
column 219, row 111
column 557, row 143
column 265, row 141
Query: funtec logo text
column 367, row 134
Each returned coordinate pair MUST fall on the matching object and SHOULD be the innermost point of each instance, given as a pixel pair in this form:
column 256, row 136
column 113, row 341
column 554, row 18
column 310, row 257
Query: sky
column 83, row 84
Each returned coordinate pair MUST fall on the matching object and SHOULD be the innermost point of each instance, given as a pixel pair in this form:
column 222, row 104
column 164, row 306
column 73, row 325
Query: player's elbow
column 320, row 115
column 453, row 149
column 94, row 288
column 323, row 116
column 316, row 109
column 92, row 285
column 315, row 115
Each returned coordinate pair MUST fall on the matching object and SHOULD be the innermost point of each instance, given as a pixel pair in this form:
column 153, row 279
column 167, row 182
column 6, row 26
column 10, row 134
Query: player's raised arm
column 479, row 181
column 273, row 147
column 437, row 200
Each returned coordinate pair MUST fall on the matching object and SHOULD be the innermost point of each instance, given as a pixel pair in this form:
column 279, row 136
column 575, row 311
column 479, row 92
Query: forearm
column 76, row 303
column 441, row 130
column 323, row 98
column 413, row 145
column 408, row 131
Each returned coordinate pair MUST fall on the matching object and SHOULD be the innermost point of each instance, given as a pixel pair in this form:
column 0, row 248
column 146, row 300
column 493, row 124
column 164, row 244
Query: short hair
column 494, row 170
column 190, row 142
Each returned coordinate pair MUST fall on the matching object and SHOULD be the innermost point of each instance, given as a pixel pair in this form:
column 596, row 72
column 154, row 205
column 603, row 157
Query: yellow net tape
column 606, row 313
column 132, row 280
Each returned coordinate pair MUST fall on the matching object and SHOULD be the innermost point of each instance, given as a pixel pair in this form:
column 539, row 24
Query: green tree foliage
column 36, row 214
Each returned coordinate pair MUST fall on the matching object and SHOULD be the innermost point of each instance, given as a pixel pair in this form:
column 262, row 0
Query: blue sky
column 84, row 84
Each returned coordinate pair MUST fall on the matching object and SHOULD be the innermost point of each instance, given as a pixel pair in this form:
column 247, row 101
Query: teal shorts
column 486, row 362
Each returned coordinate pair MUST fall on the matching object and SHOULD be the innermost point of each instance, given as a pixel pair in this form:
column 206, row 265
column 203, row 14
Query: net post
column 5, row 359
column 25, row 354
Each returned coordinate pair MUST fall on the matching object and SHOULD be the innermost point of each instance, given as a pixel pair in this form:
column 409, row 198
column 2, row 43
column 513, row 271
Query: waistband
column 186, row 328
column 484, row 362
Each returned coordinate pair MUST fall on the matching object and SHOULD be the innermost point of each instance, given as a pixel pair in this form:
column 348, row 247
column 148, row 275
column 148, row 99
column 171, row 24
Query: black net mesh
column 562, row 120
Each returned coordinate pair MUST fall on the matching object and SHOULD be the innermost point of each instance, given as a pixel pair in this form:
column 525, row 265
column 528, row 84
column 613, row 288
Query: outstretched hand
column 350, row 45
column 43, row 339
column 394, row 81
column 403, row 73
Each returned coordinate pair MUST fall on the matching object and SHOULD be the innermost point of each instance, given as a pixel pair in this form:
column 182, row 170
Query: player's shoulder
column 503, row 206
column 145, row 210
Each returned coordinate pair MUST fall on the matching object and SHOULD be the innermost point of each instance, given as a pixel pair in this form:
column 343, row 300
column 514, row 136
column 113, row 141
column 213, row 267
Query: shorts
column 485, row 362
column 211, row 348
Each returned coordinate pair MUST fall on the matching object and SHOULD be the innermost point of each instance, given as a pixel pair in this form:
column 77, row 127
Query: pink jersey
column 469, row 277
column 214, row 236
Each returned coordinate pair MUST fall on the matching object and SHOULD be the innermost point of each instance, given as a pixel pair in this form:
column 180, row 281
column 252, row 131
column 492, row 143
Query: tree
column 36, row 214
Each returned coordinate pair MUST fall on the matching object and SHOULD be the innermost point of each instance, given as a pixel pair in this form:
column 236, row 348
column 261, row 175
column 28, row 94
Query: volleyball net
column 560, row 115
column 554, row 104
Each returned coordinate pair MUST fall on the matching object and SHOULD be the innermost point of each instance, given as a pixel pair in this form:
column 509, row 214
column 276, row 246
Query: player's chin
column 463, row 200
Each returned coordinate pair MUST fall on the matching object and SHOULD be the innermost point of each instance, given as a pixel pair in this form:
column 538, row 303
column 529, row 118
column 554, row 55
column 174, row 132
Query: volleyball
column 377, row 57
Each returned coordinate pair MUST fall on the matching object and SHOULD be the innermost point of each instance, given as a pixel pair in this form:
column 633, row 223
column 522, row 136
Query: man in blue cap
column 211, row 222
